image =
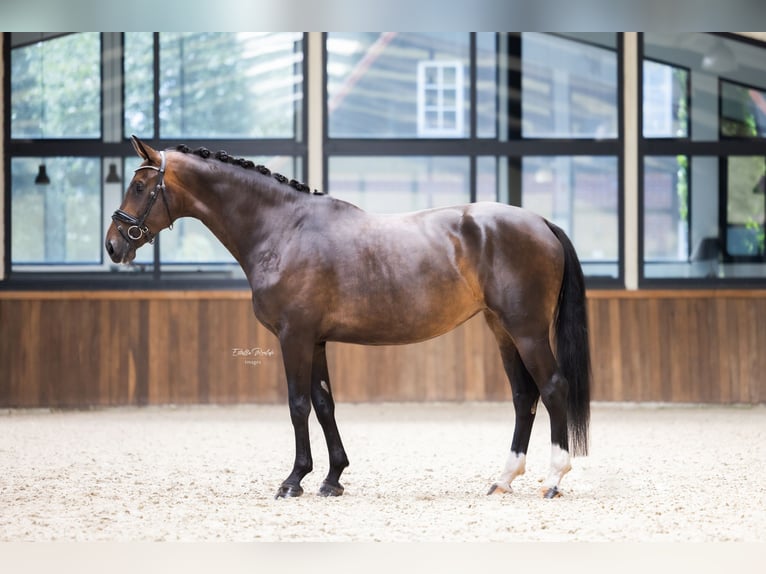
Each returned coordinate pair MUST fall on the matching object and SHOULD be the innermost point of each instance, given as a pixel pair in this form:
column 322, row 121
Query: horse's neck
column 242, row 215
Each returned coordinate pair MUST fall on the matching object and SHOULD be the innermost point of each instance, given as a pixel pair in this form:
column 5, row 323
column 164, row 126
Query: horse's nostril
column 109, row 248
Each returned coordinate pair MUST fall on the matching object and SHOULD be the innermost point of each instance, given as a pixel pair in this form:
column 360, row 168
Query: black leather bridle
column 138, row 227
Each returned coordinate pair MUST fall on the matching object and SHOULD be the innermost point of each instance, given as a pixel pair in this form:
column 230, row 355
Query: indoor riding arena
column 142, row 400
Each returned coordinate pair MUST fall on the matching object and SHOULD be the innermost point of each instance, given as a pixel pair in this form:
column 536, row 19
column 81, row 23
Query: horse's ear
column 145, row 151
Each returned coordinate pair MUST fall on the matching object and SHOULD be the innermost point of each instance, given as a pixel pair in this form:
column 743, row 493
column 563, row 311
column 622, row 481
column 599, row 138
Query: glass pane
column 191, row 242
column 569, row 88
column 666, row 104
column 377, row 82
column 680, row 234
column 710, row 58
column 743, row 111
column 599, row 39
column 578, row 193
column 56, row 88
column 231, row 85
column 745, row 206
column 57, row 223
column 399, row 184
column 486, row 85
column 432, row 97
column 139, row 84
column 666, row 209
column 487, row 179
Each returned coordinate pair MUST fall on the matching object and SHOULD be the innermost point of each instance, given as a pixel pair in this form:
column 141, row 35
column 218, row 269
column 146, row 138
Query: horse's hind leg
column 538, row 358
column 525, row 397
column 324, row 406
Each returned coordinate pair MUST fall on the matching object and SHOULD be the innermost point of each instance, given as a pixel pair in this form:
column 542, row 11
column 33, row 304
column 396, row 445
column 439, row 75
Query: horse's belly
column 412, row 320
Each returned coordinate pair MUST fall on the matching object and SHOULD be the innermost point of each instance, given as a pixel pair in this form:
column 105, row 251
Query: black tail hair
column 572, row 347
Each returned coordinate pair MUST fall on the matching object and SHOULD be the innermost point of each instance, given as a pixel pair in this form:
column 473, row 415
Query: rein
column 138, row 227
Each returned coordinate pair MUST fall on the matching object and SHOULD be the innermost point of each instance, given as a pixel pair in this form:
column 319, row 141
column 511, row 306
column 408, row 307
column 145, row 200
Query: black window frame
column 721, row 149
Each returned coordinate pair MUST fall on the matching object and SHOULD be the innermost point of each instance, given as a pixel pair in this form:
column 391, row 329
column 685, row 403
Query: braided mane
column 247, row 164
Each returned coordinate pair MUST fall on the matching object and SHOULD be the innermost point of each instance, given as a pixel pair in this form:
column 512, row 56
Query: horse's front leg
column 324, row 406
column 297, row 356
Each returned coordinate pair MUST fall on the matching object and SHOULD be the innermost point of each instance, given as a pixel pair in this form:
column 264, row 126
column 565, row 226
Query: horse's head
column 138, row 220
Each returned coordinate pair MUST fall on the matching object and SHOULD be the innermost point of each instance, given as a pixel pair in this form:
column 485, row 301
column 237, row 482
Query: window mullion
column 632, row 171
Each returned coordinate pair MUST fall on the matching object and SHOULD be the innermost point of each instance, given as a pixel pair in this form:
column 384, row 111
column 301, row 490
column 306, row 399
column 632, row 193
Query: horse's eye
column 139, row 187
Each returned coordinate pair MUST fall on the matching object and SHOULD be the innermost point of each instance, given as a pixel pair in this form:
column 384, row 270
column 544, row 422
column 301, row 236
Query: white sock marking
column 559, row 466
column 514, row 466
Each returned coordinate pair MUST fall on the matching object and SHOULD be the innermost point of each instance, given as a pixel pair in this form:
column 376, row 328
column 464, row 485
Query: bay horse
column 322, row 269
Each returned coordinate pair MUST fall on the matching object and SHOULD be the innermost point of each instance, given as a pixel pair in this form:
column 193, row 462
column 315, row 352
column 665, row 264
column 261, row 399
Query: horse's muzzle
column 119, row 250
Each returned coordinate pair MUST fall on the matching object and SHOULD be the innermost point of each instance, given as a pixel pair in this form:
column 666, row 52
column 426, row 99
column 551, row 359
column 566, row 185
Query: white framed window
column 440, row 99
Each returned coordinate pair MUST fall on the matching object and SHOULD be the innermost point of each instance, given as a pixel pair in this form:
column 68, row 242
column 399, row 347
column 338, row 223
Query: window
column 702, row 205
column 139, row 76
column 215, row 85
column 569, row 88
column 56, row 88
column 440, row 99
column 57, row 223
column 666, row 212
column 744, row 185
column 76, row 99
column 579, row 193
column 743, row 110
column 666, row 100
column 400, row 183
column 238, row 85
column 410, row 120
column 375, row 88
column 429, row 120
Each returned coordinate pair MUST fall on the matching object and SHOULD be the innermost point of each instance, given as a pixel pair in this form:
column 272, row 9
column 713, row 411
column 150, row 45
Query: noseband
column 138, row 227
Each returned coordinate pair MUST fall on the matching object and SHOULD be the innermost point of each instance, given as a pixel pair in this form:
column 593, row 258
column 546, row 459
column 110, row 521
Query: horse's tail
column 572, row 348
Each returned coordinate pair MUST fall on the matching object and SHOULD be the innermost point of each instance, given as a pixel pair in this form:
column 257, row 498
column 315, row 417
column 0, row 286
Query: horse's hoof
column 498, row 488
column 289, row 491
column 552, row 492
column 328, row 489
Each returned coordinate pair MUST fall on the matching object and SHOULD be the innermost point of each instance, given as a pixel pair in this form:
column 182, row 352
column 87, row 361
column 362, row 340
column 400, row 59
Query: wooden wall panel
column 462, row 365
column 76, row 350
